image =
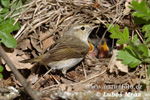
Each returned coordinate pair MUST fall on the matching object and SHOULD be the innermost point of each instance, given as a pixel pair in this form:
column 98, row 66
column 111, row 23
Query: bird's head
column 81, row 31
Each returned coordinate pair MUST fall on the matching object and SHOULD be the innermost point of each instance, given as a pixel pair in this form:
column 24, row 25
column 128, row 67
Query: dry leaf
column 32, row 78
column 34, row 44
column 24, row 45
column 34, row 53
column 47, row 42
column 121, row 67
column 65, row 87
column 127, row 9
column 96, row 5
column 112, row 62
column 127, row 4
column 15, row 60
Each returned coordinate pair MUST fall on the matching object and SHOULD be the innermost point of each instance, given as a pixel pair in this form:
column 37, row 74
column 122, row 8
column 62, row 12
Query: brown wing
column 66, row 47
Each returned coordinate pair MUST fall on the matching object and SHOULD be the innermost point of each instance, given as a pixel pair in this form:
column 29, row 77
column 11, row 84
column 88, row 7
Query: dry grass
column 55, row 15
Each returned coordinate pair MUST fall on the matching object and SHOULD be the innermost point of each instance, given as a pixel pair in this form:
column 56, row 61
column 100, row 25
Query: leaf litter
column 44, row 21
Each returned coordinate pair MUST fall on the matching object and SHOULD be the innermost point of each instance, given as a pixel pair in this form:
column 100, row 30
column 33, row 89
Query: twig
column 18, row 75
column 147, row 80
column 12, row 11
column 81, row 82
column 42, row 77
column 84, row 70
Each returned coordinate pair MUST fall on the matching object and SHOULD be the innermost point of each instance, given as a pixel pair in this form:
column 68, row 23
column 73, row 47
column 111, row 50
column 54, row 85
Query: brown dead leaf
column 32, row 78
column 112, row 62
column 15, row 59
column 47, row 42
column 6, row 82
column 121, row 67
column 34, row 44
column 127, row 4
column 96, row 5
column 34, row 53
column 24, row 45
column 65, row 87
column 127, row 9
column 19, row 52
column 73, row 75
column 116, row 63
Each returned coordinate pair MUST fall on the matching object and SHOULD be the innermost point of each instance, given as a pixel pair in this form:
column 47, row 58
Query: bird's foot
column 64, row 71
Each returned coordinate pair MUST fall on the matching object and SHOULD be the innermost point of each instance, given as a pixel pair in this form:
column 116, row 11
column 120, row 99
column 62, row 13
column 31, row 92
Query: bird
column 93, row 52
column 68, row 51
column 99, row 49
column 103, row 50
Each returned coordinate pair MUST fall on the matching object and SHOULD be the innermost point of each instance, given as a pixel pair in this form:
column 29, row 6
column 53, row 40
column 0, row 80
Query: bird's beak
column 91, row 47
column 103, row 50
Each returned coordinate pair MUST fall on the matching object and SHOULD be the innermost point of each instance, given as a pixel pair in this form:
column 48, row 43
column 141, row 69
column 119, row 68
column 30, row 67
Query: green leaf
column 141, row 9
column 116, row 34
column 1, row 19
column 140, row 49
column 1, row 76
column 135, row 38
column 128, row 57
column 140, row 21
column 144, row 49
column 146, row 60
column 1, row 68
column 146, row 28
column 4, row 10
column 126, row 33
column 15, row 5
column 136, row 52
column 6, row 27
column 148, row 71
column 5, row 3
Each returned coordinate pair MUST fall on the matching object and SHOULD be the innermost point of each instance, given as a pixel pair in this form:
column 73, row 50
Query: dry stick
column 42, row 77
column 140, row 36
column 147, row 80
column 84, row 70
column 81, row 82
column 18, row 75
column 11, row 11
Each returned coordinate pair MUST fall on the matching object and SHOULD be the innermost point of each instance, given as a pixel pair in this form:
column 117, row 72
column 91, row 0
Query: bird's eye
column 82, row 28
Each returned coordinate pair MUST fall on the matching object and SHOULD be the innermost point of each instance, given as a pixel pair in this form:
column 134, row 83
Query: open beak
column 103, row 50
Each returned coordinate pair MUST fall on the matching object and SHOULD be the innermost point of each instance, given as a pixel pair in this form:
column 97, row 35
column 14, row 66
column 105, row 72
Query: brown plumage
column 73, row 46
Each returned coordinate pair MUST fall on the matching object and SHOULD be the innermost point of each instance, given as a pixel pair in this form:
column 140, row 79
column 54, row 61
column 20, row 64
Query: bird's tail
column 30, row 60
column 34, row 60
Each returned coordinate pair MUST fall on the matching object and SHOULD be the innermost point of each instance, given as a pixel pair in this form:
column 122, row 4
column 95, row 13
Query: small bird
column 98, row 49
column 68, row 51
column 93, row 52
column 103, row 50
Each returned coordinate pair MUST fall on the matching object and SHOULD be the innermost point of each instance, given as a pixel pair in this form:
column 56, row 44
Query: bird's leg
column 64, row 70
